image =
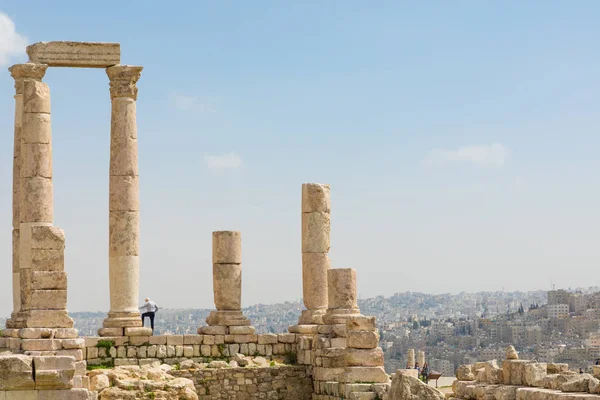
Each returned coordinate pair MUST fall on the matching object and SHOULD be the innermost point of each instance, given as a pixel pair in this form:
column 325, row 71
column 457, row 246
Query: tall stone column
column 421, row 358
column 315, row 246
column 410, row 362
column 227, row 287
column 124, row 215
column 342, row 296
column 20, row 73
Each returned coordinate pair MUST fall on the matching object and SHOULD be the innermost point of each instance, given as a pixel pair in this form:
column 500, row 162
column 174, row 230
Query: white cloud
column 193, row 103
column 12, row 44
column 494, row 155
column 231, row 160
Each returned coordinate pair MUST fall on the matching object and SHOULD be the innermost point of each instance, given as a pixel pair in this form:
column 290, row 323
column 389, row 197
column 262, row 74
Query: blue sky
column 460, row 140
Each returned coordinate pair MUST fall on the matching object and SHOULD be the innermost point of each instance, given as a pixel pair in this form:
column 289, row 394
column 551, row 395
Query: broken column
column 421, row 358
column 410, row 362
column 227, row 287
column 41, row 251
column 124, row 216
column 20, row 73
column 315, row 246
column 342, row 296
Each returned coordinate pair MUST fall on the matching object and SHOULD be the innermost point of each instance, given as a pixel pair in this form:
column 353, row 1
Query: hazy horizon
column 459, row 139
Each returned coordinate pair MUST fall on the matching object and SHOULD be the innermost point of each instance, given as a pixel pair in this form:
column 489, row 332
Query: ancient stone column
column 227, row 287
column 421, row 358
column 315, row 246
column 410, row 362
column 20, row 73
column 342, row 296
column 124, row 216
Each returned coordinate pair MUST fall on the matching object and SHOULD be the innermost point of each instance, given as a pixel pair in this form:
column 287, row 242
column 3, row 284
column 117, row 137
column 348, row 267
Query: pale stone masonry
column 124, row 214
column 75, row 54
column 227, row 287
column 342, row 296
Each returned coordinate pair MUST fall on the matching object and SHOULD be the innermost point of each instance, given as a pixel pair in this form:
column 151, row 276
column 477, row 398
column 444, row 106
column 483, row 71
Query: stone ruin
column 334, row 349
column 517, row 379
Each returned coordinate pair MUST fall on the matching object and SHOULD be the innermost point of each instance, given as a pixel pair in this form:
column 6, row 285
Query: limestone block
column 21, row 395
column 36, row 160
column 124, row 233
column 215, row 351
column 49, row 299
column 36, row 333
column 342, row 288
column 219, row 339
column 534, row 374
column 36, row 97
column 315, row 232
column 267, row 338
column 161, row 351
column 138, row 340
column 131, row 352
column 138, row 331
column 123, row 147
column 205, row 350
column 245, row 338
column 80, row 368
column 175, row 339
column 305, row 329
column 365, row 374
column 124, row 193
column 227, row 247
column 54, row 372
column 105, row 332
column 315, row 198
column 16, row 372
column 37, row 128
column 37, row 199
column 47, row 260
column 75, row 54
column 214, row 330
column 362, row 339
column 179, row 351
column 192, row 339
column 47, row 237
column 77, row 354
column 162, row 339
column 73, row 344
column 242, row 330
column 227, row 286
column 16, row 234
column 40, row 344
column 338, row 342
column 314, row 280
column 91, row 352
column 43, row 280
column 361, row 323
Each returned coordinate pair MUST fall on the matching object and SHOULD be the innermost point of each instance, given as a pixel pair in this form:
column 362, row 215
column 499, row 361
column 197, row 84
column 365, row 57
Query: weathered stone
column 316, row 228
column 241, row 330
column 42, row 280
column 365, row 374
column 314, row 280
column 124, row 193
column 37, row 160
column 138, row 331
column 315, row 198
column 577, row 383
column 361, row 323
column 227, row 247
column 535, row 374
column 342, row 288
column 54, row 372
column 36, row 100
column 408, row 388
column 362, row 339
column 49, row 299
column 75, row 54
column 16, row 372
column 36, row 333
column 464, row 373
column 227, row 286
column 47, row 238
column 364, row 357
column 511, row 353
column 40, row 344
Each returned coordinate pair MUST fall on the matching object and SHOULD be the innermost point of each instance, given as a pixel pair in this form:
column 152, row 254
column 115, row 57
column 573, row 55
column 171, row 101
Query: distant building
column 559, row 296
column 558, row 310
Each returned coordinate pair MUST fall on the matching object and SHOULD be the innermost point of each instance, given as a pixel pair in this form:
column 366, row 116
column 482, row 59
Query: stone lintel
column 75, row 54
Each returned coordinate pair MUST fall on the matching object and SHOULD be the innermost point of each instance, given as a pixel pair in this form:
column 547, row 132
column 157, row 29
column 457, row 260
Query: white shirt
column 150, row 306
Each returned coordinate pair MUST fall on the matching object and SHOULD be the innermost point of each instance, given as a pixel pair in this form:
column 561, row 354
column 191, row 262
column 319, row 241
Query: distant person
column 597, row 361
column 581, row 370
column 425, row 373
column 418, row 369
column 150, row 309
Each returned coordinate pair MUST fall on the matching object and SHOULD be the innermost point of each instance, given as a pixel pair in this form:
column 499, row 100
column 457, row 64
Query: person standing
column 150, row 309
column 425, row 373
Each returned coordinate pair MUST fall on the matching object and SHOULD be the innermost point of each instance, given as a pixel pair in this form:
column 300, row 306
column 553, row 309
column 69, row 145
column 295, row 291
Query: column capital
column 20, row 72
column 123, row 79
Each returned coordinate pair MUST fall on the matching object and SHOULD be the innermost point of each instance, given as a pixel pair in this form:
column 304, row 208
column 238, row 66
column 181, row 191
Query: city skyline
column 457, row 161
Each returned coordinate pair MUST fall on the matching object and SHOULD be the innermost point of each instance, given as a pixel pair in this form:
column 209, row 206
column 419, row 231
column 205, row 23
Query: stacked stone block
column 342, row 296
column 227, row 287
column 43, row 378
column 316, row 226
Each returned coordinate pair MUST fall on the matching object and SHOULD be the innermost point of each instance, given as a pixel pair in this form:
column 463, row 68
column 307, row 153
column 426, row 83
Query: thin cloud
column 231, row 160
column 12, row 44
column 494, row 155
column 185, row 102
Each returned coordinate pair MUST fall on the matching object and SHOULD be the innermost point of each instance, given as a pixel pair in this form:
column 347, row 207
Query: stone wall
column 172, row 349
column 277, row 383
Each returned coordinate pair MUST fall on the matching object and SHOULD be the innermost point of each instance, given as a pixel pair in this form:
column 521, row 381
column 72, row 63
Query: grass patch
column 105, row 344
column 105, row 365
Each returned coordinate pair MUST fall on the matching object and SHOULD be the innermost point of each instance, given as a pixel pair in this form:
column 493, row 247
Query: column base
column 311, row 317
column 335, row 316
column 16, row 320
column 304, row 329
column 227, row 318
column 117, row 321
